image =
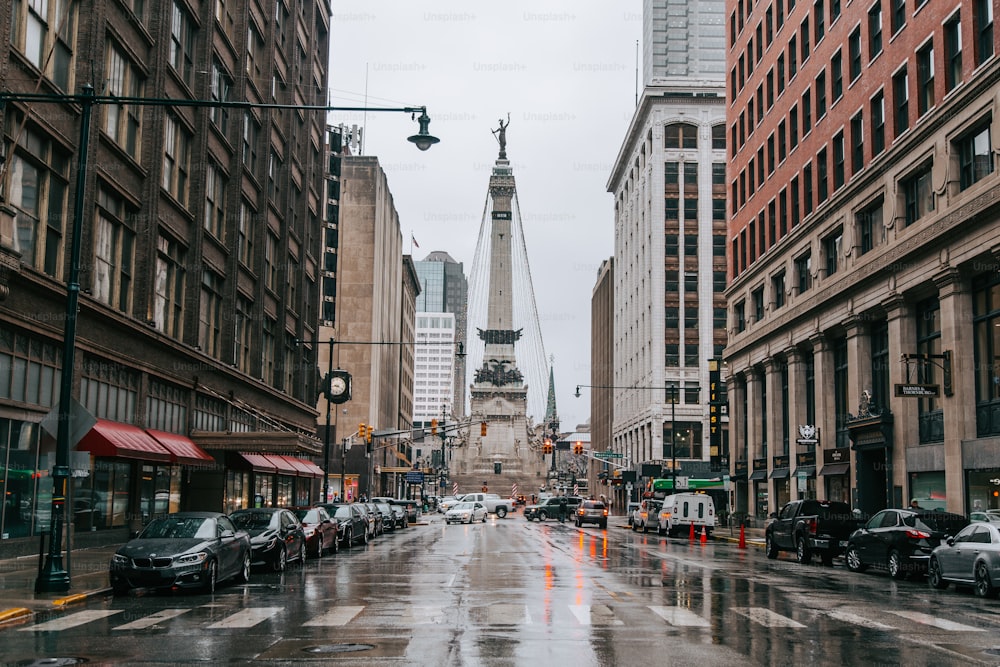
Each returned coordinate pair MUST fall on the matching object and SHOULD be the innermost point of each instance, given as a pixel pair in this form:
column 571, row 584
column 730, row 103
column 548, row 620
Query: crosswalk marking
column 598, row 614
column 73, row 620
column 942, row 623
column 767, row 618
column 246, row 618
column 680, row 617
column 417, row 615
column 855, row 619
column 153, row 619
column 338, row 616
column 506, row 614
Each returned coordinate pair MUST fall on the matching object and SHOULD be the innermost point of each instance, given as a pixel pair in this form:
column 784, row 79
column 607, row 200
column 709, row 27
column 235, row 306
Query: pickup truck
column 493, row 503
column 810, row 527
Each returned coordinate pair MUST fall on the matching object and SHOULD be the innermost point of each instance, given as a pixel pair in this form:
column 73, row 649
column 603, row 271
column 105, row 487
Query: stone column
column 754, row 428
column 738, row 447
column 859, row 360
column 772, row 408
column 796, row 407
column 959, row 408
column 826, row 421
column 902, row 340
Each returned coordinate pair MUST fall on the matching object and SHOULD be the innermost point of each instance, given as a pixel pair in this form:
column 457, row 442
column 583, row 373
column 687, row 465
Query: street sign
column 918, row 390
column 80, row 422
column 607, row 455
column 414, row 477
column 682, row 483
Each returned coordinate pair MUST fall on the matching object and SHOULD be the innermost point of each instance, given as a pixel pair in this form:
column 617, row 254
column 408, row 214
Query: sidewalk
column 88, row 570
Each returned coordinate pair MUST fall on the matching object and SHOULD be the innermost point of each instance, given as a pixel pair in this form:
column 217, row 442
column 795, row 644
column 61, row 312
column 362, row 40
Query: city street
column 510, row 592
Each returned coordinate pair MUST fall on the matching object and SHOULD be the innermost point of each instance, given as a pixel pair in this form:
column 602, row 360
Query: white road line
column 856, row 619
column 417, row 615
column 506, row 614
column 71, row 621
column 767, row 618
column 680, row 617
column 338, row 616
column 246, row 618
column 942, row 623
column 153, row 619
column 598, row 614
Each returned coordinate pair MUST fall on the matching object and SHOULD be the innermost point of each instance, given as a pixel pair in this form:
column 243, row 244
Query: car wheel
column 244, row 575
column 635, row 527
column 645, row 527
column 349, row 538
column 501, row 512
column 365, row 538
column 280, row 561
column 336, row 545
column 302, row 554
column 320, row 548
column 802, row 553
column 934, row 575
column 770, row 549
column 895, row 565
column 578, row 524
column 853, row 560
column 542, row 516
column 984, row 587
column 484, row 518
column 660, row 531
column 212, row 577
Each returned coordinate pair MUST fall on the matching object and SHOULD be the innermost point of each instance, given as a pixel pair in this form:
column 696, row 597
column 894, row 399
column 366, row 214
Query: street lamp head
column 423, row 138
column 577, row 394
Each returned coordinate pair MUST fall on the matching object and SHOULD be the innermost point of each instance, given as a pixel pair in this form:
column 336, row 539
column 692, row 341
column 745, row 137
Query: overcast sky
column 565, row 72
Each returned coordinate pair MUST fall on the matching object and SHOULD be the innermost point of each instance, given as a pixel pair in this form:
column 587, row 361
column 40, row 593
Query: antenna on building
column 637, row 72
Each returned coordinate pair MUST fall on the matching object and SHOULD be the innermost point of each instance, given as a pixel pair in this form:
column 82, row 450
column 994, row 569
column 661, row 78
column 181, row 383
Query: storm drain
column 339, row 648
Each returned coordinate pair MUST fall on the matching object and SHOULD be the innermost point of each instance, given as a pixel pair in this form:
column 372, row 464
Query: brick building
column 864, row 231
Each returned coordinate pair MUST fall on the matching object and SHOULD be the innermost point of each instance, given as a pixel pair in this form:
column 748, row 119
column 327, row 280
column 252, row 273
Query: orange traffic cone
column 743, row 538
column 704, row 535
column 691, row 537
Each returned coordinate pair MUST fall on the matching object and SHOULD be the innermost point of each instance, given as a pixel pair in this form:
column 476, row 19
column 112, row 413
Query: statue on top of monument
column 501, row 134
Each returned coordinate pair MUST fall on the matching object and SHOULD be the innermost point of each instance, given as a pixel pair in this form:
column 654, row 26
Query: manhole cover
column 339, row 648
column 37, row 662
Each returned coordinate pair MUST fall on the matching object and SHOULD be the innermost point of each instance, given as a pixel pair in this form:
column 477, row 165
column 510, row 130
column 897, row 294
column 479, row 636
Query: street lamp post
column 673, row 438
column 53, row 577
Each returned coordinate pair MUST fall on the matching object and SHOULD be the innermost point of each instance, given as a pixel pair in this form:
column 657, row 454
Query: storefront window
column 986, row 332
column 284, row 491
column 263, row 491
column 928, row 489
column 237, row 484
column 159, row 493
column 26, row 487
column 108, row 496
column 303, row 486
column 984, row 490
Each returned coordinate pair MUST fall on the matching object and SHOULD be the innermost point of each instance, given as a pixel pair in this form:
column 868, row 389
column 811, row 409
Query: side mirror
column 226, row 533
column 950, row 541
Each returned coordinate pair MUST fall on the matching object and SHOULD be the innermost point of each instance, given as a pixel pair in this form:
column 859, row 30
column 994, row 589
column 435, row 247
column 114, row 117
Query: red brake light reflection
column 917, row 534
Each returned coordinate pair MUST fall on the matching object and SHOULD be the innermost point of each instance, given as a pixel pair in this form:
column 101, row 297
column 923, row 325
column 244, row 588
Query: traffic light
column 371, row 430
column 361, row 430
column 578, row 448
column 482, row 429
column 434, row 427
column 547, row 447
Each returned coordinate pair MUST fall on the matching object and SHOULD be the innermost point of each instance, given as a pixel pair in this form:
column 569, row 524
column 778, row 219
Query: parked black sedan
column 182, row 550
column 900, row 540
column 276, row 536
column 352, row 523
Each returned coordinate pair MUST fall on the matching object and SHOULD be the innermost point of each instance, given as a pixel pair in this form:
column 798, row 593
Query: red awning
column 258, row 463
column 184, row 450
column 114, row 439
column 304, row 468
column 284, row 466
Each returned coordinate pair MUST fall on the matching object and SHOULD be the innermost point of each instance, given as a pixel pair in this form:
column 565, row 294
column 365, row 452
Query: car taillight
column 811, row 526
column 605, row 512
column 917, row 534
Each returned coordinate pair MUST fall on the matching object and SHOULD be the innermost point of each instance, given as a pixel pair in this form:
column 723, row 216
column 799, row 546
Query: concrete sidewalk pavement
column 88, row 570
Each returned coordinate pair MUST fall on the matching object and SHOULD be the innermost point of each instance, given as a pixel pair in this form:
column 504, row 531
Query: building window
column 806, row 112
column 898, row 15
column 793, row 66
column 871, row 231
column 245, row 233
column 210, row 313
column 168, row 288
column 271, row 261
column 221, row 89
column 793, row 127
column 215, row 201
column 778, row 290
column 984, row 30
column 832, row 248
column 807, row 189
column 757, row 297
column 917, row 194
column 822, row 179
column 793, row 189
column 209, row 414
column 243, row 334
column 986, row 334
column 782, row 146
column 37, row 190
column 176, row 159
column 45, row 32
column 166, row 408
column 929, row 414
column 182, row 43
column 29, row 369
column 803, row 272
column 840, row 390
column 781, row 73
column 900, row 91
column 819, row 20
column 680, row 135
column 834, row 10
column 975, row 156
column 854, row 53
column 719, row 137
column 821, row 95
column 804, row 49
column 874, row 30
column 953, row 53
column 837, row 76
column 879, row 336
column 122, row 121
column 267, row 357
column 925, row 79
column 251, row 135
column 113, row 252
column 878, row 123
column 109, row 390
column 255, row 53
column 739, row 316
column 857, row 144
column 838, row 160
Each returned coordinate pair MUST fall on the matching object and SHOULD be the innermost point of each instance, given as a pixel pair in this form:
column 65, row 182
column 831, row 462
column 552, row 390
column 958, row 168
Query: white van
column 683, row 510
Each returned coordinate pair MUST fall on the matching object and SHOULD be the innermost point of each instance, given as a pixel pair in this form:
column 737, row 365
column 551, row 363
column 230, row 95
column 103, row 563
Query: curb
column 22, row 613
column 14, row 614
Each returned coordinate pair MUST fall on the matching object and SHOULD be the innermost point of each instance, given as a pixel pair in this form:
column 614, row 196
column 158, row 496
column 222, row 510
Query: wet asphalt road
column 510, row 592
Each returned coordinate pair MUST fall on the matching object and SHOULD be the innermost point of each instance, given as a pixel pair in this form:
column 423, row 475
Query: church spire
column 551, row 414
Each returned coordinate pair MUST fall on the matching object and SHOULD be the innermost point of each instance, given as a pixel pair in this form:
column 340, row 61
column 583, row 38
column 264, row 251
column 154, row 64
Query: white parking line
column 680, row 617
column 71, row 621
column 598, row 614
column 767, row 618
column 338, row 616
column 246, row 618
column 153, row 619
column 942, row 623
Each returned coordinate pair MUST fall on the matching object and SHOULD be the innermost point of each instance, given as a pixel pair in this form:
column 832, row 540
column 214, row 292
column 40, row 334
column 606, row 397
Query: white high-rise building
column 434, row 367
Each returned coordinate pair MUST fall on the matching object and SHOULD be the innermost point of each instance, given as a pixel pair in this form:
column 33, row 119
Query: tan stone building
column 864, row 240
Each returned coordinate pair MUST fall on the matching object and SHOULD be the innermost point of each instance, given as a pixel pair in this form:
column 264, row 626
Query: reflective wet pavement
column 510, row 592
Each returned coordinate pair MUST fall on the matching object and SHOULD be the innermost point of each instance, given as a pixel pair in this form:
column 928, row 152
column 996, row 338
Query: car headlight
column 118, row 559
column 309, row 532
column 192, row 559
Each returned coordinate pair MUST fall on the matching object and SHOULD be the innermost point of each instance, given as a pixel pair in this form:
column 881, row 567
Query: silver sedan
column 466, row 513
column 972, row 557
